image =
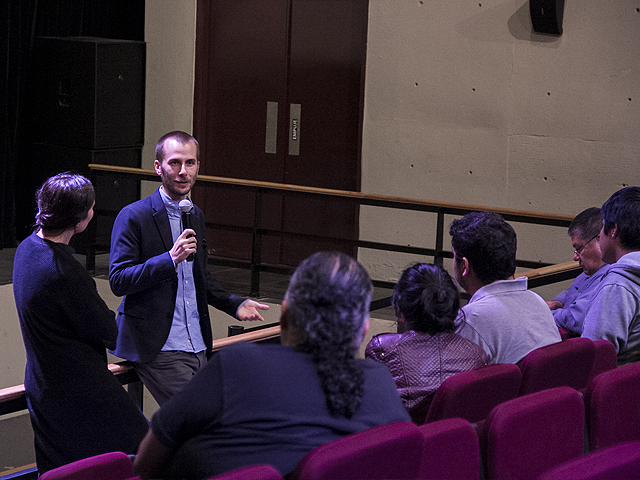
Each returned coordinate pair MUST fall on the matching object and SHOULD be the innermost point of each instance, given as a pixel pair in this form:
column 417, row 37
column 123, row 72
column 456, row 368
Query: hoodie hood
column 628, row 266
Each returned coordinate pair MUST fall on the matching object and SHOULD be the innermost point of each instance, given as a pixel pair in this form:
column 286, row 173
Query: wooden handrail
column 272, row 332
column 551, row 274
column 16, row 392
column 25, row 471
column 254, row 336
column 258, row 232
column 550, row 270
column 11, row 393
column 338, row 193
column 120, row 367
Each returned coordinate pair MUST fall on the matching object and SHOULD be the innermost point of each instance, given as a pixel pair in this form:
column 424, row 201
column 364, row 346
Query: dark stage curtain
column 20, row 22
column 17, row 19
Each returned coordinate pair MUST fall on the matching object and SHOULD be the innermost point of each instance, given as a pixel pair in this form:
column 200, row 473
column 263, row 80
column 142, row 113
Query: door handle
column 271, row 134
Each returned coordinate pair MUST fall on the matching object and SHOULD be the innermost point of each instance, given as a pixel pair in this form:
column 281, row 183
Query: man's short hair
column 586, row 224
column 180, row 136
column 623, row 209
column 488, row 243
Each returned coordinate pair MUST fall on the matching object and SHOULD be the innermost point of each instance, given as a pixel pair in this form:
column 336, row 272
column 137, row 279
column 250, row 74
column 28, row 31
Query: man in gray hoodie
column 614, row 313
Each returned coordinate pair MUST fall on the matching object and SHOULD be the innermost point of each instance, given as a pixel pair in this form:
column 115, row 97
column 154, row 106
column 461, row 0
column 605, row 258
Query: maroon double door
column 279, row 96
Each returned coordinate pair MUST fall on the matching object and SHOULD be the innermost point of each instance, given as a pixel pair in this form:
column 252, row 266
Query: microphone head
column 185, row 205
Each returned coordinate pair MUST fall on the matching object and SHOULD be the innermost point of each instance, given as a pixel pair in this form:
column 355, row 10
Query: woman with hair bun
column 427, row 300
column 77, row 407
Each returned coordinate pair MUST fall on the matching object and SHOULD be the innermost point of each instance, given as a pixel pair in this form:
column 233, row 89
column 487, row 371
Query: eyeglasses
column 579, row 250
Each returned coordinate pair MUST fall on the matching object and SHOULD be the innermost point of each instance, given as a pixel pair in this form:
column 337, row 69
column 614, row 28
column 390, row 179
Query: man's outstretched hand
column 249, row 310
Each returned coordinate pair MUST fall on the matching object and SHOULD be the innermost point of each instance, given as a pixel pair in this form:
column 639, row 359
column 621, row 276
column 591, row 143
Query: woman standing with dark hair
column 424, row 356
column 77, row 407
column 272, row 404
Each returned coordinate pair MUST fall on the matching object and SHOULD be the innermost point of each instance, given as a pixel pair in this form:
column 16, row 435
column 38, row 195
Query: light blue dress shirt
column 185, row 334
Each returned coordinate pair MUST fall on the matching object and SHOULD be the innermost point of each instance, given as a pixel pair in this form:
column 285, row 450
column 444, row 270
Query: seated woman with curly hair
column 420, row 359
column 272, row 404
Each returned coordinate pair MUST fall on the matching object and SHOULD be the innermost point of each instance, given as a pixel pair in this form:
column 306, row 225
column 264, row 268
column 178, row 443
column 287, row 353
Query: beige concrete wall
column 465, row 104
column 170, row 33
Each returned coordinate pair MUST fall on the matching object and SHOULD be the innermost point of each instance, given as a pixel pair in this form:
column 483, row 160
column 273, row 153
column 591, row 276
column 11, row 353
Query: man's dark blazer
column 141, row 269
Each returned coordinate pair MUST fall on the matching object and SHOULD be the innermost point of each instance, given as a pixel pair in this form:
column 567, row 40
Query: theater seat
column 107, row 466
column 619, row 462
column 612, row 401
column 606, row 358
column 383, row 452
column 253, row 472
column 566, row 363
column 472, row 394
column 534, row 433
column 450, row 450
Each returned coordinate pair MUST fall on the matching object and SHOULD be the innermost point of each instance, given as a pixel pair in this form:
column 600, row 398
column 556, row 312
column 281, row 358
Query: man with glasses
column 570, row 306
column 614, row 312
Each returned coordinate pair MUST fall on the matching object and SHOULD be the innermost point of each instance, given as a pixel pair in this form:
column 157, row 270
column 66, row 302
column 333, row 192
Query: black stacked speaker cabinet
column 89, row 108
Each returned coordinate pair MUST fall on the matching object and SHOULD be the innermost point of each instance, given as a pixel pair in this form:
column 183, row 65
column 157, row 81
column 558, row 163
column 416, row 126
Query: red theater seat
column 472, row 394
column 566, row 363
column 619, row 462
column 253, row 472
column 529, row 435
column 383, row 452
column 612, row 400
column 108, row 466
column 450, row 450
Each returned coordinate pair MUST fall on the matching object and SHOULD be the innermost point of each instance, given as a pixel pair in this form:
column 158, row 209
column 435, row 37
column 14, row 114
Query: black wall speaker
column 113, row 190
column 546, row 16
column 89, row 92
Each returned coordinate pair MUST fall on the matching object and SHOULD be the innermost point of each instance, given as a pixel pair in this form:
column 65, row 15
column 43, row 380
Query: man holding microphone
column 159, row 265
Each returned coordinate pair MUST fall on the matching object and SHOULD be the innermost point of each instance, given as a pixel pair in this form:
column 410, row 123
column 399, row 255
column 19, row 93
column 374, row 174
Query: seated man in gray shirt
column 505, row 318
column 570, row 306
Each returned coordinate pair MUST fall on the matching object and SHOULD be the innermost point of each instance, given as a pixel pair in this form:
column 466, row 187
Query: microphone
column 186, row 207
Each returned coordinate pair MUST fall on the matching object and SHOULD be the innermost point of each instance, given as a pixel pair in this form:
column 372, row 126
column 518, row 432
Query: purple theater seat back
column 387, row 451
column 566, row 363
column 450, row 450
column 252, row 472
column 534, row 433
column 606, row 358
column 612, row 400
column 618, row 462
column 107, row 466
column 472, row 394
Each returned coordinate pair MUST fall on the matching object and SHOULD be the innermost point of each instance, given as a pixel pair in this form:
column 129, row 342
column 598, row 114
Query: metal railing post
column 438, row 258
column 136, row 393
column 92, row 234
column 256, row 253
